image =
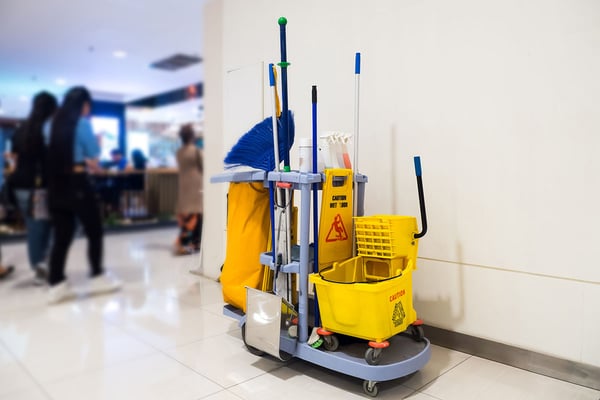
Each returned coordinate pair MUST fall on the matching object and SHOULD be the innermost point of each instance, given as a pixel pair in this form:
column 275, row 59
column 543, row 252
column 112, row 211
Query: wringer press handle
column 421, row 198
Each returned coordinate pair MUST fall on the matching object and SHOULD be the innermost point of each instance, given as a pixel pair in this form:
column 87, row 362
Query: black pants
column 78, row 201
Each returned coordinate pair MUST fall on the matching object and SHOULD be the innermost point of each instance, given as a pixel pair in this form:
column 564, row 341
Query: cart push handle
column 421, row 198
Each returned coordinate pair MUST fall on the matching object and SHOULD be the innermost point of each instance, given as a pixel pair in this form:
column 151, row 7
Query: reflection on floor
column 163, row 337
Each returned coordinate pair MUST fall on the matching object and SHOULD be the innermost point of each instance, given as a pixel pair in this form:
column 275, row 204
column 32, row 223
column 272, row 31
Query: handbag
column 38, row 200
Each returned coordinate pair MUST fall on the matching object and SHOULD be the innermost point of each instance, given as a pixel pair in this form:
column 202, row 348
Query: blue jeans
column 38, row 230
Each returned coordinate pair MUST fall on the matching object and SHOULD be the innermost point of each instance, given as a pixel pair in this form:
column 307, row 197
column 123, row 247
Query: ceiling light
column 60, row 81
column 119, row 54
column 24, row 99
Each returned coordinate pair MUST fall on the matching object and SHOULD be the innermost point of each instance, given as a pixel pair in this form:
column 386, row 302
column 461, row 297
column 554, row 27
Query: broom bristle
column 255, row 147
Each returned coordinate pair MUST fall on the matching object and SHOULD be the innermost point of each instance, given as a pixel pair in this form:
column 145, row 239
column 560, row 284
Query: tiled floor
column 163, row 337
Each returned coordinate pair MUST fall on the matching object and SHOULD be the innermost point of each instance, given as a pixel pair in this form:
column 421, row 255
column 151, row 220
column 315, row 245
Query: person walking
column 73, row 151
column 28, row 181
column 189, row 199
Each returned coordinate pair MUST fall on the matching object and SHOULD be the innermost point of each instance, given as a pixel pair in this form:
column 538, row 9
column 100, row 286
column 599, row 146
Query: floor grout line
column 24, row 368
column 420, row 388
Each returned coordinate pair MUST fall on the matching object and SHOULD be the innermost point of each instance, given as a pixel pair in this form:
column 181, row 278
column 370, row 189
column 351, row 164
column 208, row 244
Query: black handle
column 421, row 198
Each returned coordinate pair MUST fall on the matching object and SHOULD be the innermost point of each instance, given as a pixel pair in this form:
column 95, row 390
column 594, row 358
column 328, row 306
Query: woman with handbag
column 189, row 199
column 72, row 152
column 28, row 181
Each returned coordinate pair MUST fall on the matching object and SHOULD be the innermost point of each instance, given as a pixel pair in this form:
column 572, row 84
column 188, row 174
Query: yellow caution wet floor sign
column 335, row 227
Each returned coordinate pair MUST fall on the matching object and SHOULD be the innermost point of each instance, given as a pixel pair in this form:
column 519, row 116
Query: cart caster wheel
column 285, row 357
column 331, row 343
column 373, row 356
column 252, row 350
column 370, row 388
column 417, row 333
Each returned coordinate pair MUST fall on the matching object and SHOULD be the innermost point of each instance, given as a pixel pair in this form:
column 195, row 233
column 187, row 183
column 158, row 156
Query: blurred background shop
column 143, row 91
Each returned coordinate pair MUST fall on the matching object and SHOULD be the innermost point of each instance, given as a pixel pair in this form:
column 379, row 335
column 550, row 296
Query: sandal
column 6, row 271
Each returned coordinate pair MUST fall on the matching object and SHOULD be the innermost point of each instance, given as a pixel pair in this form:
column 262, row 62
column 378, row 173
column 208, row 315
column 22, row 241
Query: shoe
column 60, row 292
column 6, row 271
column 40, row 276
column 104, row 284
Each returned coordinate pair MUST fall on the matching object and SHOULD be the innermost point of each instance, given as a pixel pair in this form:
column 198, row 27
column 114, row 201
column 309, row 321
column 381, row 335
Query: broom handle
column 272, row 192
column 284, row 93
column 315, row 191
column 356, row 108
column 274, row 116
column 355, row 161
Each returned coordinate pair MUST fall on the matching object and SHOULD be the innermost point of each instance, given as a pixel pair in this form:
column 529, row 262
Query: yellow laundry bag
column 248, row 231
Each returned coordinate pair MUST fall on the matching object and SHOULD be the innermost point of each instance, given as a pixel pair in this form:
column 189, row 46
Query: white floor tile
column 442, row 360
column 301, row 380
column 477, row 379
column 14, row 377
column 224, row 359
column 421, row 396
column 165, row 322
column 34, row 393
column 164, row 336
column 155, row 377
column 224, row 395
column 55, row 342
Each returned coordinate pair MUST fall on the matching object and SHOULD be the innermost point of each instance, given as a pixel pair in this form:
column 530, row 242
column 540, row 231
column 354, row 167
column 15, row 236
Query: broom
column 255, row 147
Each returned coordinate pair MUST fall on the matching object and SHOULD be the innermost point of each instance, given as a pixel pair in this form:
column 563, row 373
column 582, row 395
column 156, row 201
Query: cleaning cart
column 360, row 293
column 363, row 296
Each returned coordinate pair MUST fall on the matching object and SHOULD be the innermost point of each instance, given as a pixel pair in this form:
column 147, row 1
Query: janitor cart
column 368, row 297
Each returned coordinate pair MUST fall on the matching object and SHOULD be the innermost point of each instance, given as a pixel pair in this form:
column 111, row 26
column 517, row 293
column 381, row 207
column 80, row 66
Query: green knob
column 282, row 21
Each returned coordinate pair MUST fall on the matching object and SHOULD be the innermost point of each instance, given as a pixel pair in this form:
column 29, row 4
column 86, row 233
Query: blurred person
column 73, row 151
column 112, row 186
column 138, row 159
column 117, row 161
column 189, row 199
column 137, row 180
column 28, row 181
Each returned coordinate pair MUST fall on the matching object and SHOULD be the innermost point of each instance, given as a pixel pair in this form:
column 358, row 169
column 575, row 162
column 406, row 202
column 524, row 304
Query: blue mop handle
column 314, row 167
column 284, row 93
column 315, row 200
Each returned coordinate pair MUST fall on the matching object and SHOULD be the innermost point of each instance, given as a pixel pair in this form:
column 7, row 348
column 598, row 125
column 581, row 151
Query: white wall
column 500, row 99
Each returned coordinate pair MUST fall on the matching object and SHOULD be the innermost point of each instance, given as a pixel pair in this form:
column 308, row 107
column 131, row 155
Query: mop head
column 255, row 148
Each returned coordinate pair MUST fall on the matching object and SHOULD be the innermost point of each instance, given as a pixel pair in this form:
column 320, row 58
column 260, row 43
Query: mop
column 315, row 189
column 286, row 206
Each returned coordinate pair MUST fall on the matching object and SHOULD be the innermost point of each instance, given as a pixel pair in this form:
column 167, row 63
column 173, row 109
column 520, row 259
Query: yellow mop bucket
column 365, row 297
